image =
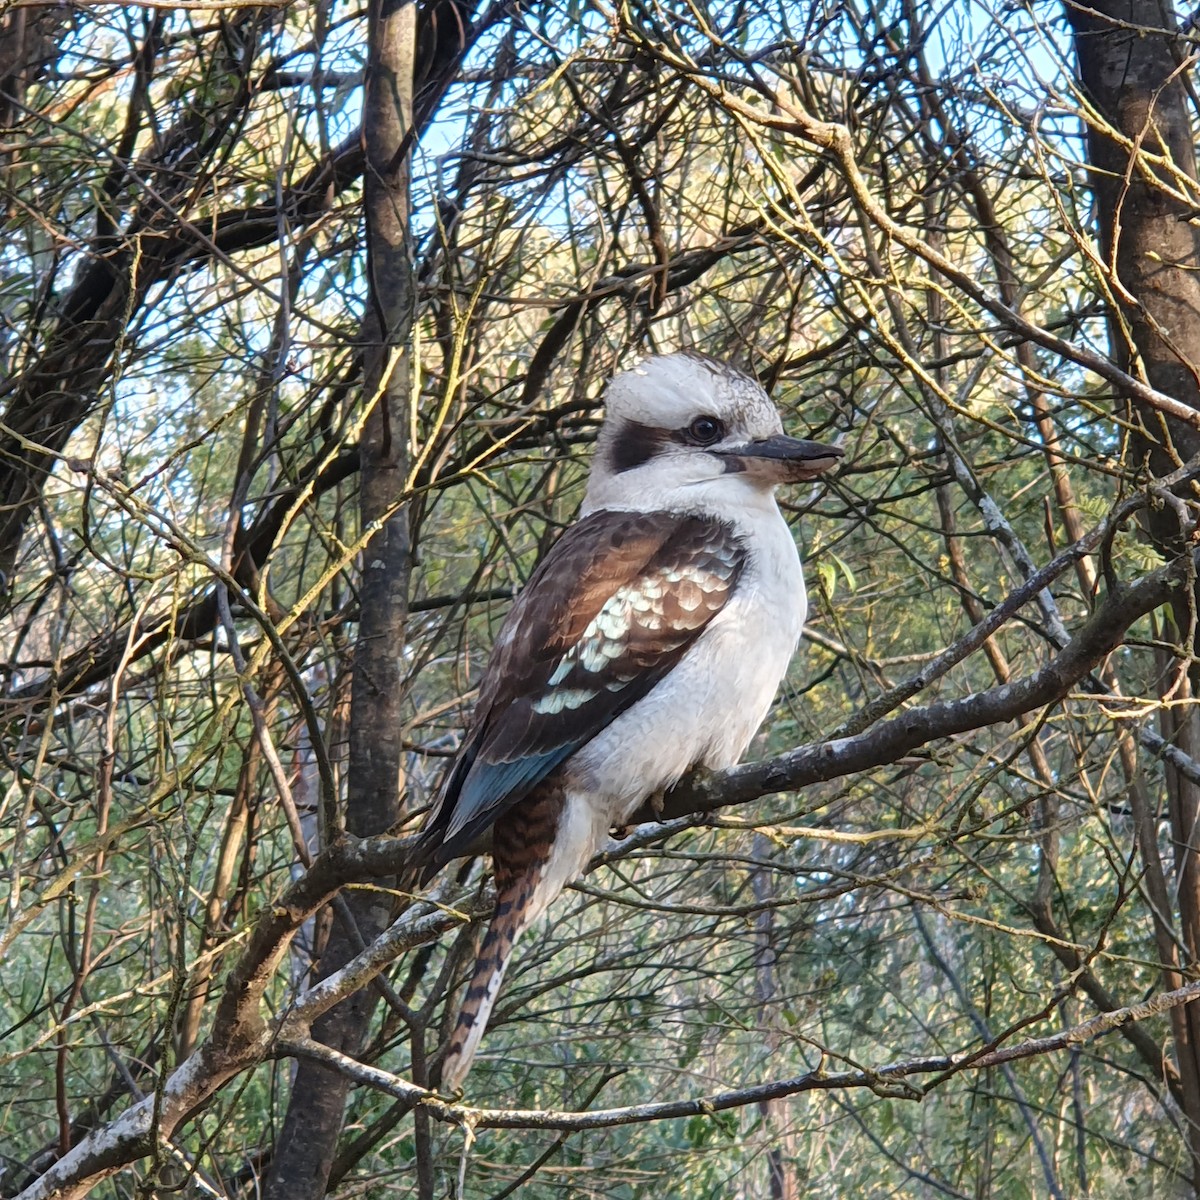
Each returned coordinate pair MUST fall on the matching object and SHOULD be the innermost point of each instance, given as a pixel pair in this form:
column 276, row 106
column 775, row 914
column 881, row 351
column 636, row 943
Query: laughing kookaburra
column 650, row 640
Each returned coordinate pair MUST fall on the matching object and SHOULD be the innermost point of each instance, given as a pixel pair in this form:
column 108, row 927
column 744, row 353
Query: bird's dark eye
column 703, row 431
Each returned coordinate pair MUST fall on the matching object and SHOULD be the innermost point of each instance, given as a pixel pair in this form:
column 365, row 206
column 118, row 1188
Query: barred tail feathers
column 533, row 864
column 511, row 919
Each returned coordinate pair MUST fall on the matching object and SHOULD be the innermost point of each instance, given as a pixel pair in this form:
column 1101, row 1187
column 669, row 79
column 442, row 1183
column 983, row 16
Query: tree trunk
column 1144, row 171
column 306, row 1145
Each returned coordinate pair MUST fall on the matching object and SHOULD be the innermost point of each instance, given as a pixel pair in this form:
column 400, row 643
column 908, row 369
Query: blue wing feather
column 488, row 784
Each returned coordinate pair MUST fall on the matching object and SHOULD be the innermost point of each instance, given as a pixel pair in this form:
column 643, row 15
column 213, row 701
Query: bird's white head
column 684, row 432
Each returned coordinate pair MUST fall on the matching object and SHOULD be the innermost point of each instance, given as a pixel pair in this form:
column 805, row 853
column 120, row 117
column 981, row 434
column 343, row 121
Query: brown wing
column 606, row 615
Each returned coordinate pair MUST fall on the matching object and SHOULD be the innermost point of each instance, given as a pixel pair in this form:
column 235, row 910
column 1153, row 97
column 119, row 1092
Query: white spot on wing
column 689, row 597
column 562, row 697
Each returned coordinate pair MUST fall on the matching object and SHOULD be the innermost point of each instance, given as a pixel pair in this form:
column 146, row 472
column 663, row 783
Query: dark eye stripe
column 635, row 445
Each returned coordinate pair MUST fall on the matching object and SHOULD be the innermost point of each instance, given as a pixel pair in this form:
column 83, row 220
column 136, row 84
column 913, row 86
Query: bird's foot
column 655, row 800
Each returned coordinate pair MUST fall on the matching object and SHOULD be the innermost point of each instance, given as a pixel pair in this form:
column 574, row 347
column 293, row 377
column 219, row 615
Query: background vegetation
column 305, row 315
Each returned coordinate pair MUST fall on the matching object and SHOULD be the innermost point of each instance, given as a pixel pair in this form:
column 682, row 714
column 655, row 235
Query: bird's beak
column 780, row 459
